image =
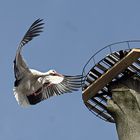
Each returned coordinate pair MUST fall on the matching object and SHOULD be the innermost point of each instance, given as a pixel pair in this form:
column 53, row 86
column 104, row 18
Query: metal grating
column 116, row 65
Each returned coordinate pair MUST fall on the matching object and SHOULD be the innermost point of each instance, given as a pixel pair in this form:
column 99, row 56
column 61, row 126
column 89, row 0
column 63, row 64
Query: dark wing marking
column 19, row 64
column 68, row 85
column 34, row 30
column 34, row 99
column 20, row 67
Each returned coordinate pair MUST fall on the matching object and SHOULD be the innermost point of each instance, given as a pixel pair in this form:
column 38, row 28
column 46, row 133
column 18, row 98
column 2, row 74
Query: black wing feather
column 68, row 85
column 34, row 30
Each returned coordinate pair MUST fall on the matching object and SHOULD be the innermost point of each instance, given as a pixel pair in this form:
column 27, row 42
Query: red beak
column 58, row 74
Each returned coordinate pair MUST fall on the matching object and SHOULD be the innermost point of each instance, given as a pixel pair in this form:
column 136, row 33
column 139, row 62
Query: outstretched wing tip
column 34, row 30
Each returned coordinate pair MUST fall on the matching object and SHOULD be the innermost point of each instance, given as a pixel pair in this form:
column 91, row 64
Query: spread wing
column 67, row 84
column 20, row 67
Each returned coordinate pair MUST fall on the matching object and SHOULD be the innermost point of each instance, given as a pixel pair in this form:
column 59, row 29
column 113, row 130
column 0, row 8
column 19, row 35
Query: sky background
column 74, row 31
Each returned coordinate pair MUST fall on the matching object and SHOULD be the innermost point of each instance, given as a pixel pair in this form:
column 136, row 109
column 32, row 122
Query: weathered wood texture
column 125, row 108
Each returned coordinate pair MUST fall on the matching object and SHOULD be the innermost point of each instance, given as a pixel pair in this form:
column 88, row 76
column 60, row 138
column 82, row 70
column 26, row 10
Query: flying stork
column 32, row 86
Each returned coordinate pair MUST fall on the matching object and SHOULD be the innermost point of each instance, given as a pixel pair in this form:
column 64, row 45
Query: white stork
column 32, row 86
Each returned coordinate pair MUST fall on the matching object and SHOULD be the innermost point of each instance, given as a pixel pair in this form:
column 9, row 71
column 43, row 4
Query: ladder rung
column 112, row 58
column 130, row 69
column 135, row 68
column 89, row 80
column 98, row 103
column 96, row 72
column 101, row 67
column 92, row 75
column 116, row 54
column 108, row 62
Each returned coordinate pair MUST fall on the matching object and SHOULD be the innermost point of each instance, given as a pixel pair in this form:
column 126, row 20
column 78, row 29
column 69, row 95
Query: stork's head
column 54, row 73
column 53, row 77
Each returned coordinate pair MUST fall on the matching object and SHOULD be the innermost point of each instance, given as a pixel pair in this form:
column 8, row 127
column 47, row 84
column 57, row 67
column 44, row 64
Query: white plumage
column 32, row 86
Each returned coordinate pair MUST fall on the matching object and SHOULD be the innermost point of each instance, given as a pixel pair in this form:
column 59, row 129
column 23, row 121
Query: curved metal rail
column 111, row 50
column 99, row 71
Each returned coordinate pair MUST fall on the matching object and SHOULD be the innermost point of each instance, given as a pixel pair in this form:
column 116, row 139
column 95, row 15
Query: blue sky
column 74, row 30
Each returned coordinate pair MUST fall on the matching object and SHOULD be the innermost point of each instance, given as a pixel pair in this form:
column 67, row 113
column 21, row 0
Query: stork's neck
column 39, row 73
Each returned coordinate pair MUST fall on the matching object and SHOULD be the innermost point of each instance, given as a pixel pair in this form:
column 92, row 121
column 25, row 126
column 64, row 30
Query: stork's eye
column 53, row 74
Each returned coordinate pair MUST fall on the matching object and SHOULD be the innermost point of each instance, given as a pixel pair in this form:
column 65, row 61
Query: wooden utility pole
column 124, row 106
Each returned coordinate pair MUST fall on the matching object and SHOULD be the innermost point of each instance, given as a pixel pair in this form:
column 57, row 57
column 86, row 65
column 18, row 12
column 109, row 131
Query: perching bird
column 32, row 86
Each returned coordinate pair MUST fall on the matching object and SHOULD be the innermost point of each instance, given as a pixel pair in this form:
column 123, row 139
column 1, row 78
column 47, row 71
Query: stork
column 32, row 86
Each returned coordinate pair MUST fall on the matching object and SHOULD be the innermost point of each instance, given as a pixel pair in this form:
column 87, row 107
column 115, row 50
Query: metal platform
column 113, row 67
